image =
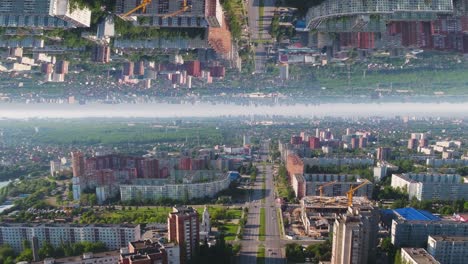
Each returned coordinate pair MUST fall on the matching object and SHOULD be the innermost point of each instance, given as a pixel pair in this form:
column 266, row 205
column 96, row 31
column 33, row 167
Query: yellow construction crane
column 142, row 6
column 351, row 191
column 185, row 7
column 320, row 188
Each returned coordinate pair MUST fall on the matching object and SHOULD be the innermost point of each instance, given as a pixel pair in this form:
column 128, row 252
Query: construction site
column 318, row 214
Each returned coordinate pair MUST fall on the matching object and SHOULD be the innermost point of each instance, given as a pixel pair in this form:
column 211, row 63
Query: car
column 269, row 249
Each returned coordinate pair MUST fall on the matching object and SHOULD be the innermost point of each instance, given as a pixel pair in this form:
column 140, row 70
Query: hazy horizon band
column 203, row 109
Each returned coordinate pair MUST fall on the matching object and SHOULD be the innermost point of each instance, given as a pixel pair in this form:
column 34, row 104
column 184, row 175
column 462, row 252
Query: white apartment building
column 173, row 191
column 448, row 249
column 42, row 14
column 425, row 186
column 113, row 236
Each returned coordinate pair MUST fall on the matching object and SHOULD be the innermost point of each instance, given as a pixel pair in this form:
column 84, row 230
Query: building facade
column 42, row 14
column 425, row 186
column 355, row 237
column 448, row 249
column 415, row 233
column 113, row 236
column 173, row 191
column 184, row 229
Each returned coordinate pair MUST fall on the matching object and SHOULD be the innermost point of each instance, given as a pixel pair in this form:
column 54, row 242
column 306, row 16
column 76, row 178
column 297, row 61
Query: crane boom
column 184, row 8
column 320, row 188
column 351, row 191
column 142, row 6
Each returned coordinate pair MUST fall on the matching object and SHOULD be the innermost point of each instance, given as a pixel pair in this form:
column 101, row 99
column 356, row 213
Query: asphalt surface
column 259, row 29
column 250, row 242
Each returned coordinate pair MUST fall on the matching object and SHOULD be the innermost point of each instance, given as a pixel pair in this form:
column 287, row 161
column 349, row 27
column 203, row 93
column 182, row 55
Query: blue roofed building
column 234, row 175
column 411, row 227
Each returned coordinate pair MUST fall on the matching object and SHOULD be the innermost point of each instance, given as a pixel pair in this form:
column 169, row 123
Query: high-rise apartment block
column 78, row 164
column 184, row 229
column 113, row 236
column 427, row 186
column 101, row 54
column 383, row 153
column 355, row 237
column 448, row 249
column 42, row 14
column 128, row 69
column 61, row 67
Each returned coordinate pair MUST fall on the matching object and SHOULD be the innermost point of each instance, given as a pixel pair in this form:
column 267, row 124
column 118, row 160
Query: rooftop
column 90, row 257
column 450, row 238
column 420, row 255
column 414, row 214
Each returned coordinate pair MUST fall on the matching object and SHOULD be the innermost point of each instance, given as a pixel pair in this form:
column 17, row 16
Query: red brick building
column 184, row 229
column 314, row 143
column 294, row 165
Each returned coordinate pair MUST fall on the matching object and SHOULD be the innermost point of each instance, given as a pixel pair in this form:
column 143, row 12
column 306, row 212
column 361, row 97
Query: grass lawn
column 230, row 231
column 136, row 215
column 262, row 231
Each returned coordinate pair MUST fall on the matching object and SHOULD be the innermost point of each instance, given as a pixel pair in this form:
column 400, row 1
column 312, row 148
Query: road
column 250, row 242
column 259, row 26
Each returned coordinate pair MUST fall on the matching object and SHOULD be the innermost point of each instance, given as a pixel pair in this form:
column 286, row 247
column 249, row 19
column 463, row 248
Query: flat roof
column 410, row 213
column 450, row 238
column 420, row 255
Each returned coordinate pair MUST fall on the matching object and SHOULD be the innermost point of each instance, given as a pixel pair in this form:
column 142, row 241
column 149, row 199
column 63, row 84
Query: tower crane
column 351, row 191
column 142, row 6
column 185, row 8
column 320, row 188
column 144, row 3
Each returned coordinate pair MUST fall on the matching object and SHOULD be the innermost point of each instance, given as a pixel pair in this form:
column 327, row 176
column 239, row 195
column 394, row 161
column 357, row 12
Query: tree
column 7, row 254
column 46, row 251
column 295, row 253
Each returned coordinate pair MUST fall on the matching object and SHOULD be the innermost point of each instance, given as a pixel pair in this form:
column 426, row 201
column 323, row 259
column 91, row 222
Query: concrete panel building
column 42, row 14
column 448, row 249
column 417, row 256
column 425, row 186
column 113, row 236
column 355, row 237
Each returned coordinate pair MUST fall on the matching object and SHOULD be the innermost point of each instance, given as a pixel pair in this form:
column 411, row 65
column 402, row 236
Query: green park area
column 224, row 219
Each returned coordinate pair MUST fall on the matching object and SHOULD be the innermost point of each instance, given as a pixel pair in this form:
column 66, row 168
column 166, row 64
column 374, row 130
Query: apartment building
column 181, row 191
column 448, row 249
column 417, row 256
column 42, row 14
column 113, row 236
column 426, row 186
column 184, row 229
column 355, row 237
column 415, row 233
